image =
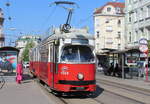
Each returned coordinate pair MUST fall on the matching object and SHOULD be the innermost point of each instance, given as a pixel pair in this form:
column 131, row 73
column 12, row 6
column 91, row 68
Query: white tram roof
column 74, row 33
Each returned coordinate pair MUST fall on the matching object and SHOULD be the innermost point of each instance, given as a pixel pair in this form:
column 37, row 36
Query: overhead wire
column 48, row 18
column 84, row 20
column 62, row 5
column 87, row 19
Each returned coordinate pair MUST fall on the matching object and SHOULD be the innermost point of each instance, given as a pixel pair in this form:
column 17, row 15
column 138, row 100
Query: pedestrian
column 111, row 68
column 116, row 70
column 19, row 72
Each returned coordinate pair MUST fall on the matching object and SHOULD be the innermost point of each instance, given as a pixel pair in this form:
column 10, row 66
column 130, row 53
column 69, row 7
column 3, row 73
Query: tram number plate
column 80, row 88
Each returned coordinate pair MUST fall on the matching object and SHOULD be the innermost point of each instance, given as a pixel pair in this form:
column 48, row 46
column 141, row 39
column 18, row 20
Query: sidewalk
column 25, row 93
column 135, row 83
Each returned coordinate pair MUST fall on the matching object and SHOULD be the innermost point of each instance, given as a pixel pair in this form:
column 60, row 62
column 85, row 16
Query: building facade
column 22, row 41
column 109, row 27
column 2, row 39
column 137, row 21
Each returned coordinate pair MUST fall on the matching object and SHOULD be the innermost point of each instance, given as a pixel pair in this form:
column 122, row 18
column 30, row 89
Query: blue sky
column 35, row 16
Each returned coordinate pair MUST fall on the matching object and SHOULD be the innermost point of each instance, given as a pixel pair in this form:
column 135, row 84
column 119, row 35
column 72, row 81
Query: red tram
column 65, row 62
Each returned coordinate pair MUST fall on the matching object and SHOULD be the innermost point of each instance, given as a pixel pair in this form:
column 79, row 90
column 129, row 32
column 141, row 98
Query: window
column 135, row 16
column 130, row 38
column 77, row 54
column 51, row 53
column 97, row 20
column 148, row 11
column 148, row 32
column 109, row 29
column 44, row 53
column 129, row 1
column 118, row 10
column 131, row 59
column 141, row 13
column 97, row 25
column 142, row 31
column 134, row 1
column 97, row 34
column 97, row 45
column 109, row 41
column 119, row 46
column 130, row 18
column 136, row 35
column 119, row 35
column 108, row 9
column 107, row 20
column 119, row 23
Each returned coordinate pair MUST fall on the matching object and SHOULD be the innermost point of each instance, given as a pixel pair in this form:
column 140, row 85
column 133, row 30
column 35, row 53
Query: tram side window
column 51, row 53
column 56, row 53
column 44, row 54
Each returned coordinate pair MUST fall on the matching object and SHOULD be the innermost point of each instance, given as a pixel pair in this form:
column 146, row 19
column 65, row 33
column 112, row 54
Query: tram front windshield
column 77, row 54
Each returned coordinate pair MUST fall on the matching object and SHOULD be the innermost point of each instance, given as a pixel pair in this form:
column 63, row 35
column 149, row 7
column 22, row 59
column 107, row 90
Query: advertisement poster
column 8, row 61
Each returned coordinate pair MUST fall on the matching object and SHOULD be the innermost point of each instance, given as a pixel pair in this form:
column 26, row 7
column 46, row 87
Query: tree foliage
column 25, row 54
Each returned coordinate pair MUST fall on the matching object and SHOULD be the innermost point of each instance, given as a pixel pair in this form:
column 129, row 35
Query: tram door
column 52, row 65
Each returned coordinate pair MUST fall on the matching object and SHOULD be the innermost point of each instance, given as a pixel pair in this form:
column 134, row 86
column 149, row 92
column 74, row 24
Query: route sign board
column 143, row 48
column 143, row 41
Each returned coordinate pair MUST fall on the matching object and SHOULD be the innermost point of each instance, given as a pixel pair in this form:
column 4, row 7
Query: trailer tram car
column 65, row 62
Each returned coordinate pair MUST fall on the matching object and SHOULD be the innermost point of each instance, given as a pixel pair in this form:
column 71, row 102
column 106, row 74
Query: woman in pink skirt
column 19, row 72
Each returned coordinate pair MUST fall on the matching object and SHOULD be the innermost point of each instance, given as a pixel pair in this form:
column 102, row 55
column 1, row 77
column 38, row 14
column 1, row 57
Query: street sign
column 143, row 41
column 143, row 48
column 145, row 54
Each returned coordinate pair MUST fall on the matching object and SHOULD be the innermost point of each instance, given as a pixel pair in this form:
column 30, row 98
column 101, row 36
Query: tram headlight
column 80, row 76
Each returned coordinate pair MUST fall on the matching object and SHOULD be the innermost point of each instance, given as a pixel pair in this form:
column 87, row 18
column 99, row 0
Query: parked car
column 100, row 69
column 26, row 65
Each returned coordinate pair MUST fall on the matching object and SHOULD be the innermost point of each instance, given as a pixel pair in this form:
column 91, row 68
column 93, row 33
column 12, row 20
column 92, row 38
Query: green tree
column 25, row 54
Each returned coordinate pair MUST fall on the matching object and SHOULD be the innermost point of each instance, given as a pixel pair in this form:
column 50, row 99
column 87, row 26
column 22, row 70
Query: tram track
column 124, row 97
column 127, row 98
column 75, row 100
column 126, row 87
column 68, row 100
column 100, row 102
column 132, row 89
column 140, row 96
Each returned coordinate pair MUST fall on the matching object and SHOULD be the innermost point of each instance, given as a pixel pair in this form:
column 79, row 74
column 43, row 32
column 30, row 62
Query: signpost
column 144, row 49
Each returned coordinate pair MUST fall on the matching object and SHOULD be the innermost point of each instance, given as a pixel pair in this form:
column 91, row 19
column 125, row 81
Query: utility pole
column 2, row 39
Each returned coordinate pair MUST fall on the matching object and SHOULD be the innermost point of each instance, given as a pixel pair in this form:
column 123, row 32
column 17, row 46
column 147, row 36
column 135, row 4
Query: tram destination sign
column 143, row 41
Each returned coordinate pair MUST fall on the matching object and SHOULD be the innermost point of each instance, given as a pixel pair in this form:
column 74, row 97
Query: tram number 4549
column 64, row 73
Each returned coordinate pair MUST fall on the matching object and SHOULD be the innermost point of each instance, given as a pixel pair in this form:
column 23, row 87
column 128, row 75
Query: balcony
column 147, row 18
column 147, row 22
column 141, row 20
